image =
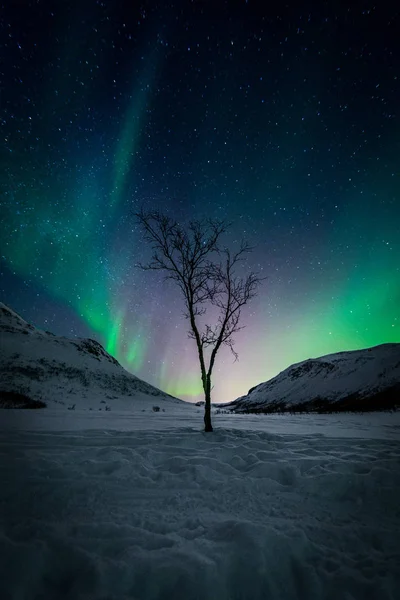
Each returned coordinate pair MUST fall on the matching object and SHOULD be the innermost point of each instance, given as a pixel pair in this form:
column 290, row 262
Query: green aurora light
column 116, row 114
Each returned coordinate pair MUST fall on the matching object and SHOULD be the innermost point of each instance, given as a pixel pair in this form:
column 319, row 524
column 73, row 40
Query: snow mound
column 64, row 372
column 356, row 380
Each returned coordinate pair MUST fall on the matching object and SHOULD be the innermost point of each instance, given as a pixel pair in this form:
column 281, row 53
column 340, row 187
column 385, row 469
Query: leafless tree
column 206, row 274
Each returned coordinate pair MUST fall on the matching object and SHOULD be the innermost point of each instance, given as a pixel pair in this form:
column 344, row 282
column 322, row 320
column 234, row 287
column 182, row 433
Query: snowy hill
column 357, row 380
column 65, row 372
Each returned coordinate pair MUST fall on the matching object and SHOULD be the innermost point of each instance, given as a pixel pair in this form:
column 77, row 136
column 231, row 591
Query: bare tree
column 206, row 274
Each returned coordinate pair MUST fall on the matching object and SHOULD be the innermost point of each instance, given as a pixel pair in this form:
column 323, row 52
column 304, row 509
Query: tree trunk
column 207, row 408
column 207, row 414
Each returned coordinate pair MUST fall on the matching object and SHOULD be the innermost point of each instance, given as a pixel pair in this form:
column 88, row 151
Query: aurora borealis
column 284, row 120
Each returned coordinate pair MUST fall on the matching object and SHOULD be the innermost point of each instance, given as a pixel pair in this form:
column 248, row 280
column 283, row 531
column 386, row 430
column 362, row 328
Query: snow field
column 178, row 514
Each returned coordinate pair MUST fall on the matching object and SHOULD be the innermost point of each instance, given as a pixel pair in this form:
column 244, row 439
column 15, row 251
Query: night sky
column 284, row 120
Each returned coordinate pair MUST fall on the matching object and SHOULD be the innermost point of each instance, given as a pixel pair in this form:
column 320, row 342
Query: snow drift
column 357, row 380
column 37, row 366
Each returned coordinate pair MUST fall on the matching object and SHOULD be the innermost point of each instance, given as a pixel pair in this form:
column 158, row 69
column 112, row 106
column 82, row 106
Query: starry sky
column 283, row 118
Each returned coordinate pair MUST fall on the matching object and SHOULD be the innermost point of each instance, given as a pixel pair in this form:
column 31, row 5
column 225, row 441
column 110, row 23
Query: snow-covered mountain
column 357, row 380
column 62, row 372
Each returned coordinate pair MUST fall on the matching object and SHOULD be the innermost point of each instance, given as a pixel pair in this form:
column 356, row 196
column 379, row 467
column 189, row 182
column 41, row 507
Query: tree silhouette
column 206, row 274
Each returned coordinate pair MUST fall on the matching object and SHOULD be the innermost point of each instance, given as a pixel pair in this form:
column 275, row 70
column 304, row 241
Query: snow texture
column 356, row 380
column 67, row 373
column 147, row 507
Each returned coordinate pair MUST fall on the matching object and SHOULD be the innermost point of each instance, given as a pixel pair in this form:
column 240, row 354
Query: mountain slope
column 357, row 380
column 63, row 372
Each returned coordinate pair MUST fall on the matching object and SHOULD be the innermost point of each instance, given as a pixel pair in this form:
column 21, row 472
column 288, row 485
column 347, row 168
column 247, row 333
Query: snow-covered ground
column 146, row 506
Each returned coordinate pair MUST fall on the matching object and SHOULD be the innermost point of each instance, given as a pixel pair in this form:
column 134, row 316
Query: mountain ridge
column 367, row 379
column 65, row 372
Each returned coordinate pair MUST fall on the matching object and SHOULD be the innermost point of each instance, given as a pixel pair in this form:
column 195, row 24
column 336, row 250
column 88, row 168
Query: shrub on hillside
column 18, row 400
